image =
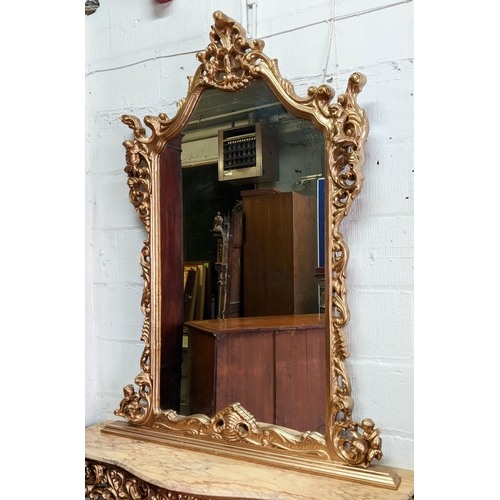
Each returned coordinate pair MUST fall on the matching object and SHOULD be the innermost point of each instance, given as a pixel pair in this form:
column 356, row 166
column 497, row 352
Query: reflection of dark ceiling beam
column 292, row 130
column 206, row 132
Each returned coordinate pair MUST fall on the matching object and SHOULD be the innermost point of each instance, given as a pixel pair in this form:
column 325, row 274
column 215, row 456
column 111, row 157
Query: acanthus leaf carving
column 236, row 424
column 230, row 62
column 225, row 61
column 136, row 407
column 106, row 481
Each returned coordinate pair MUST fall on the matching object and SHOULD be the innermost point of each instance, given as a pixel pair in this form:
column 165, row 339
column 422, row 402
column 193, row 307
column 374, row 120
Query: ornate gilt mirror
column 238, row 89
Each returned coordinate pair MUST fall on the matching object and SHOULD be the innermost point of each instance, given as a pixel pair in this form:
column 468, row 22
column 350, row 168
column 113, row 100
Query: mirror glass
column 264, row 176
column 278, row 203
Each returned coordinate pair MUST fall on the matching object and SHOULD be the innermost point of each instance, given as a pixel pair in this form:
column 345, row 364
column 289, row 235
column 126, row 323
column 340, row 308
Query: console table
column 117, row 467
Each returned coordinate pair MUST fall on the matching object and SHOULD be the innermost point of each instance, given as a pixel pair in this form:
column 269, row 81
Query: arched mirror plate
column 347, row 448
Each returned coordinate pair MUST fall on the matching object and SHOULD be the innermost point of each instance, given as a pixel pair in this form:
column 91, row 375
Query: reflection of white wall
column 138, row 57
column 298, row 161
column 200, row 151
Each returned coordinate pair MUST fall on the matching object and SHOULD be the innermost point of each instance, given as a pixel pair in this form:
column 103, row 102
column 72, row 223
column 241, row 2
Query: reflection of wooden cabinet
column 279, row 254
column 273, row 365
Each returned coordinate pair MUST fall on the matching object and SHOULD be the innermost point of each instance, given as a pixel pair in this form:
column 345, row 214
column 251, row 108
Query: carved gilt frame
column 230, row 62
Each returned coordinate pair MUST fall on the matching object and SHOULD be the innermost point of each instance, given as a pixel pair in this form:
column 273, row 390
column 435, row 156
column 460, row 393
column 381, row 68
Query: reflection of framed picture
column 321, row 222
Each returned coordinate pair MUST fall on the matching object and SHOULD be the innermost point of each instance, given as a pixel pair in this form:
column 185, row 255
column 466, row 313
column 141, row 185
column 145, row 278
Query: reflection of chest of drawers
column 273, row 365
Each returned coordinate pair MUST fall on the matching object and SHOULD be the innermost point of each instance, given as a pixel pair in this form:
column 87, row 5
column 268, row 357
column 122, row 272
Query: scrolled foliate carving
column 226, row 62
column 136, row 406
column 105, row 481
column 235, row 424
column 229, row 63
column 354, row 446
column 345, row 145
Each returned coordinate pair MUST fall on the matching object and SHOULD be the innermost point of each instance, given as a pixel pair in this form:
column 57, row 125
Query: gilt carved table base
column 109, row 481
column 135, row 469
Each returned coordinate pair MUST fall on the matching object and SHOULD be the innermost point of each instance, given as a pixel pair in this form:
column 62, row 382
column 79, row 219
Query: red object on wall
column 163, row 1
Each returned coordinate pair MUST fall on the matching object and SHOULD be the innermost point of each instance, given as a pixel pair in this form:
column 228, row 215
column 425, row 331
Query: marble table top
column 197, row 473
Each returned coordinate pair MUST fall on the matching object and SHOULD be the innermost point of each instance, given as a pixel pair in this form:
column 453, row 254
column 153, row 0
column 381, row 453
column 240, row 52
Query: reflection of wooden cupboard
column 273, row 365
column 279, row 254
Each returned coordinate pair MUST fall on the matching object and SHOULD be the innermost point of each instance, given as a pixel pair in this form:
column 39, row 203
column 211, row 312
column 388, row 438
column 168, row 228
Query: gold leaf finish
column 229, row 63
column 235, row 424
column 105, row 481
column 227, row 60
column 136, row 406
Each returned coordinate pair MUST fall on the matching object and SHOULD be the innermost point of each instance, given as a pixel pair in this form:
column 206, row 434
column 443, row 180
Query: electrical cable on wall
column 264, row 37
column 251, row 5
column 330, row 41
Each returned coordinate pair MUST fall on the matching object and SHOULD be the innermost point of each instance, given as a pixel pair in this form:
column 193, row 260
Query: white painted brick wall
column 139, row 55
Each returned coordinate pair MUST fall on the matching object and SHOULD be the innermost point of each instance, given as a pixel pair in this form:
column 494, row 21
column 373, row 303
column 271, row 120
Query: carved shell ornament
column 229, row 63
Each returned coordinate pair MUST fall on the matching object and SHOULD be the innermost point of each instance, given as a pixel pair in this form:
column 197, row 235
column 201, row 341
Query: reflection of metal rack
column 248, row 153
column 240, row 152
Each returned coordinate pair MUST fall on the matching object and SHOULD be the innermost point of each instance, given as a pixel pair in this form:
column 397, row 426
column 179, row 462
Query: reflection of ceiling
column 217, row 105
column 301, row 144
column 254, row 103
